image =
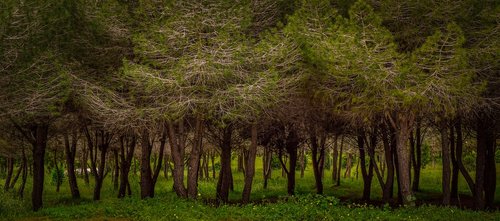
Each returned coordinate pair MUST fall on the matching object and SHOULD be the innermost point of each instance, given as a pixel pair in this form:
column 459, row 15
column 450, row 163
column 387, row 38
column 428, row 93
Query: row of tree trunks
column 70, row 152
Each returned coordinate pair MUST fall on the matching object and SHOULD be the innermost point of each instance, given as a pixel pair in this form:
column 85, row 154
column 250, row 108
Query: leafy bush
column 57, row 176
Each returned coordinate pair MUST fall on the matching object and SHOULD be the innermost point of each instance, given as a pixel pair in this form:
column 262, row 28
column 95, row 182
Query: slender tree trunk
column 459, row 152
column 224, row 182
column 445, row 154
column 116, row 174
column 25, row 173
column 454, row 172
column 84, row 165
column 335, row 154
column 317, row 159
column 70, row 150
column 127, row 147
column 302, row 161
column 194, row 160
column 40, row 133
column 177, row 142
column 101, row 143
column 10, row 171
column 348, row 165
column 387, row 191
column 267, row 165
column 250, row 165
column 418, row 156
column 147, row 188
column 340, row 160
column 402, row 125
column 485, row 162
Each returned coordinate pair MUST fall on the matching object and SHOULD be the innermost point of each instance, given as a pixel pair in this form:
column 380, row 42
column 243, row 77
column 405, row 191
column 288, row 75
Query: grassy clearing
column 269, row 204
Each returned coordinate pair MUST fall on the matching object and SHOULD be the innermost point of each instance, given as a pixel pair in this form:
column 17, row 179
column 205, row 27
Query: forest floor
column 338, row 202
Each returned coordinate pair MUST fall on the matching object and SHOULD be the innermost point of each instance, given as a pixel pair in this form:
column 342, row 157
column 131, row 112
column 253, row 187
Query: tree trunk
column 194, row 160
column 147, row 188
column 250, row 165
column 177, row 144
column 459, row 152
column 445, row 154
column 25, row 173
column 116, row 174
column 317, row 158
column 340, row 160
column 454, row 172
column 302, row 161
column 224, row 182
column 84, row 165
column 127, row 147
column 268, row 155
column 100, row 142
column 348, row 165
column 387, row 190
column 417, row 165
column 10, row 171
column 485, row 162
column 70, row 150
column 40, row 133
column 335, row 155
column 402, row 125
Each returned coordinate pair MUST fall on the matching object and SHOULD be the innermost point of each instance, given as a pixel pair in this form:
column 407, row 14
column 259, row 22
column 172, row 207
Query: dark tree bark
column 335, row 155
column 194, row 160
column 367, row 146
column 459, row 152
column 116, row 173
column 417, row 156
column 127, row 146
column 147, row 189
column 340, row 160
column 177, row 144
column 387, row 190
column 402, row 123
column 485, row 162
column 291, row 146
column 24, row 174
column 10, row 171
column 318, row 159
column 84, row 162
column 267, row 167
column 454, row 171
column 100, row 143
column 39, row 132
column 348, row 166
column 445, row 154
column 70, row 152
column 148, row 176
column 250, row 165
column 225, row 176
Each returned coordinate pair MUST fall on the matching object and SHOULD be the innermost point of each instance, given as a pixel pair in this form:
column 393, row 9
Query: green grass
column 269, row 204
